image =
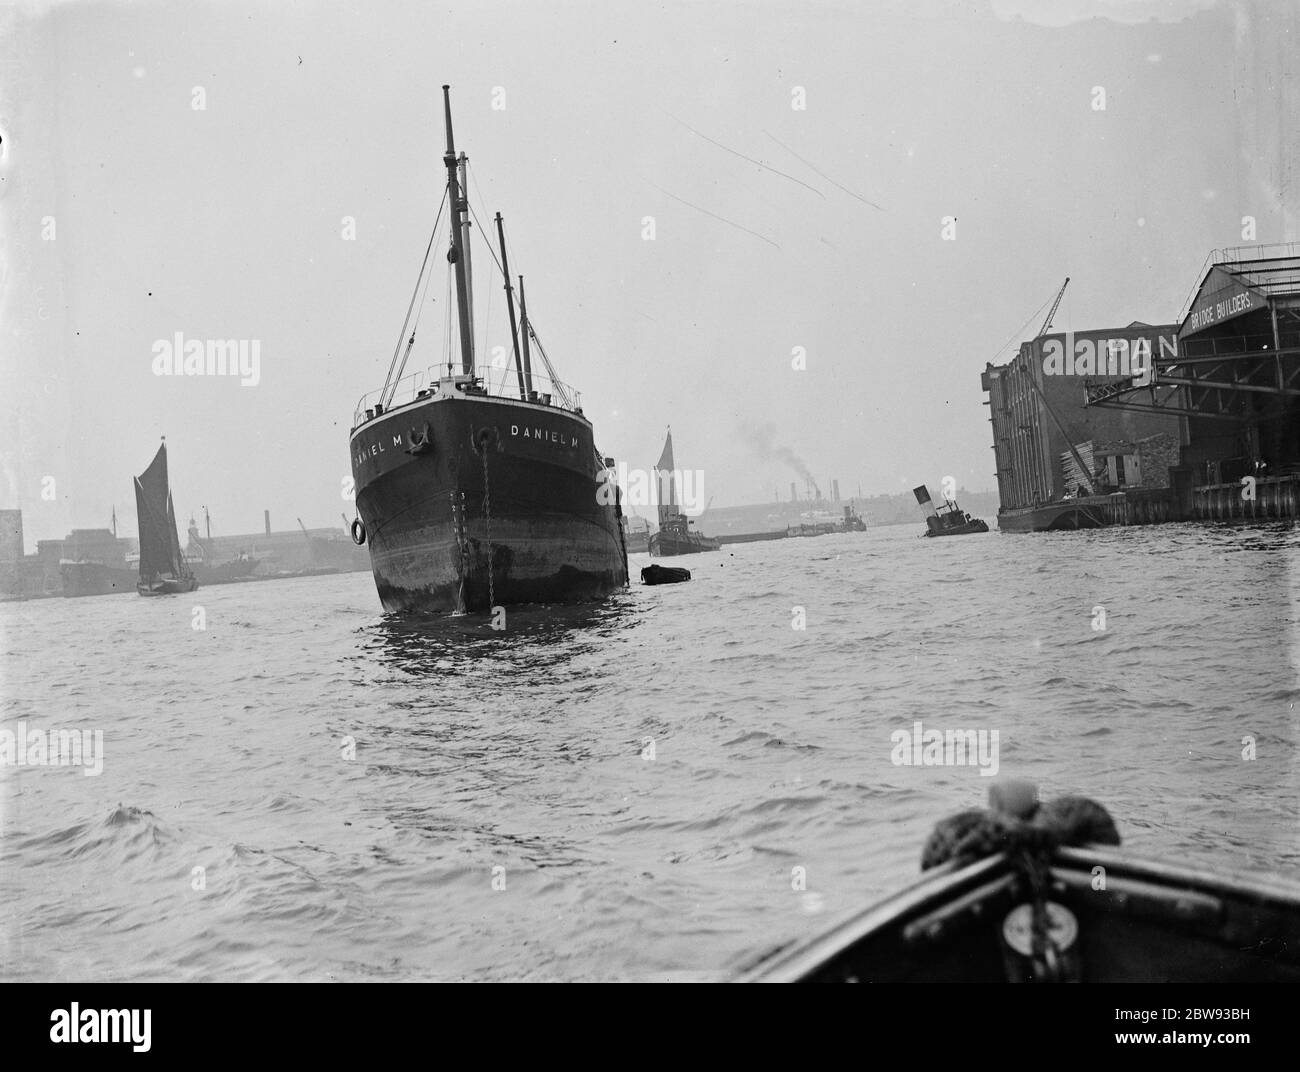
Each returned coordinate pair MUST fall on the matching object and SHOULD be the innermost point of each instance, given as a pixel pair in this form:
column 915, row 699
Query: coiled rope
column 1035, row 829
column 1029, row 833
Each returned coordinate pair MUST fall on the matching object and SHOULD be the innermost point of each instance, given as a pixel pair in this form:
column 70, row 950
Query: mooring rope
column 1030, row 838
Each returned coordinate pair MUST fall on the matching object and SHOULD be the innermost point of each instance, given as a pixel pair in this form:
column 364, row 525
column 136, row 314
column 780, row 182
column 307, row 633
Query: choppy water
column 224, row 749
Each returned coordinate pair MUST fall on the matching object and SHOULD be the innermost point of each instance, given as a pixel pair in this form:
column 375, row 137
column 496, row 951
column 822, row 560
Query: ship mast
column 466, row 247
column 459, row 223
column 510, row 304
column 523, row 333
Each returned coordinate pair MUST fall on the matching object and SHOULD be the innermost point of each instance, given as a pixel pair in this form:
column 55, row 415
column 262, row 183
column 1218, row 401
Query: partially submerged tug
column 949, row 520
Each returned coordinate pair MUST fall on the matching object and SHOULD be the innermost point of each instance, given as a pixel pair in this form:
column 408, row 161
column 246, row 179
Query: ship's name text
column 545, row 435
column 374, row 450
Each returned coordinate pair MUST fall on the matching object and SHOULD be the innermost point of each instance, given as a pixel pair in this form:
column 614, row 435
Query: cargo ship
column 94, row 562
column 85, row 578
column 203, row 559
column 472, row 492
column 674, row 536
column 821, row 523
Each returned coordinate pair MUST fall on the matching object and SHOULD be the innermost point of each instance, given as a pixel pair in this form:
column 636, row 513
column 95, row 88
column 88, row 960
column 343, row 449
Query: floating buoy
column 656, row 574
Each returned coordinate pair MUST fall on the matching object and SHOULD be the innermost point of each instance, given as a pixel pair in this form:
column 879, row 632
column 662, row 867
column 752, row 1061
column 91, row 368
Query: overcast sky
column 227, row 221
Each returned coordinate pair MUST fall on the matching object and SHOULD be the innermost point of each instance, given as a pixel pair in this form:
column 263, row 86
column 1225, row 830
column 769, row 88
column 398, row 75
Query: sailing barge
column 470, row 493
column 163, row 569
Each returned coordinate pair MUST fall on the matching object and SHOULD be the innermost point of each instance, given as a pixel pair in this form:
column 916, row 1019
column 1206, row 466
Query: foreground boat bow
column 1107, row 916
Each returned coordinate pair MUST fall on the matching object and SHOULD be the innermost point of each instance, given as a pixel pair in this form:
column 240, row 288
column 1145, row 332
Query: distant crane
column 1033, row 381
column 1052, row 312
column 311, row 546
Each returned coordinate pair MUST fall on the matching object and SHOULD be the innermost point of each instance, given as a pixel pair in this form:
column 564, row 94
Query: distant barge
column 851, row 522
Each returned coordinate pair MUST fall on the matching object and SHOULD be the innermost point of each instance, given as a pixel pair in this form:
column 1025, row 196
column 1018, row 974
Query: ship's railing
column 491, row 380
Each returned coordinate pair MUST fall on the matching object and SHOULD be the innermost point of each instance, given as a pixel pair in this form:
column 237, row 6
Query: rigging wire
column 487, row 315
column 410, row 343
column 557, row 387
column 1019, row 335
column 385, row 393
column 446, row 321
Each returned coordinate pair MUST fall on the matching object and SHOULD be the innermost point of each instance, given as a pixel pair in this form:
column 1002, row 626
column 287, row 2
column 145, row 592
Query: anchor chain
column 487, row 526
column 458, row 520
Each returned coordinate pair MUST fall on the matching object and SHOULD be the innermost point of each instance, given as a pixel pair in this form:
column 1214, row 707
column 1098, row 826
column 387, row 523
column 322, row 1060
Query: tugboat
column 1011, row 895
column 852, row 521
column 470, row 494
column 674, row 536
column 949, row 520
column 163, row 569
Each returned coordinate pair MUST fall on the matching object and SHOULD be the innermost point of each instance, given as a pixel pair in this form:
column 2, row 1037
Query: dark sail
column 179, row 568
column 151, row 513
column 160, row 548
column 665, row 475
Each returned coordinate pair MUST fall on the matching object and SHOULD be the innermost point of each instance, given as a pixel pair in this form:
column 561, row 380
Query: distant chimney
column 835, row 490
column 266, row 516
column 794, row 495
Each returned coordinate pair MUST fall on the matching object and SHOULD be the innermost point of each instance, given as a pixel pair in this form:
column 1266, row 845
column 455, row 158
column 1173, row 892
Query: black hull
column 546, row 537
column 166, row 586
column 961, row 530
column 1155, row 922
column 1055, row 517
column 653, row 574
column 226, row 573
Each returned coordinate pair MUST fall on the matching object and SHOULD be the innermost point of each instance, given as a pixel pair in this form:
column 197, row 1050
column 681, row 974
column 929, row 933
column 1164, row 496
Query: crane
column 1033, row 382
column 311, row 544
column 1052, row 312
